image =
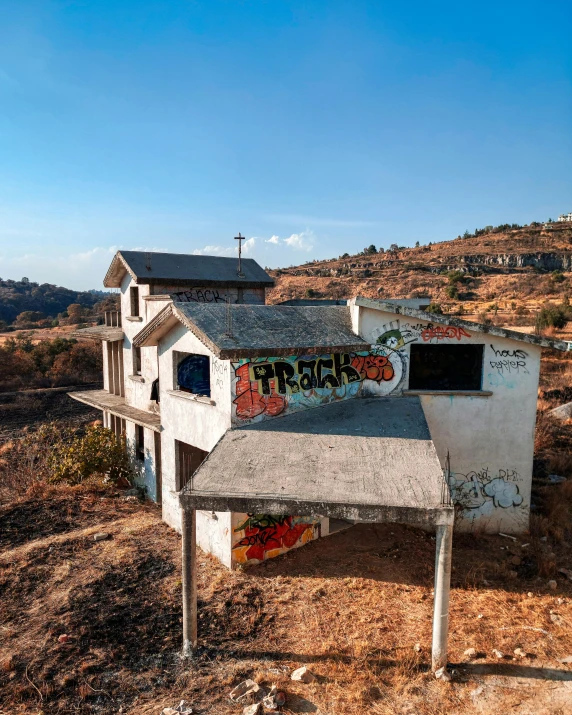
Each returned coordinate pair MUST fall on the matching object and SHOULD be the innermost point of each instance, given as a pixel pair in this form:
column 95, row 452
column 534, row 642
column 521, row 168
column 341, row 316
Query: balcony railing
column 113, row 318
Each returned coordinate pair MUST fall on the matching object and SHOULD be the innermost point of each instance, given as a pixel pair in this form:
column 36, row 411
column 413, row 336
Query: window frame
column 188, row 459
column 417, row 347
column 137, row 361
column 134, row 302
column 139, row 443
column 178, row 358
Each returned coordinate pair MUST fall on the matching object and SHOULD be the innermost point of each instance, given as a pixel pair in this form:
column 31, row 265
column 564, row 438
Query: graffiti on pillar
column 266, row 535
column 266, row 387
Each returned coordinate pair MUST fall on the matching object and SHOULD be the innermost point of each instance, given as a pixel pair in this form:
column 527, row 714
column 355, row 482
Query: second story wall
column 267, row 387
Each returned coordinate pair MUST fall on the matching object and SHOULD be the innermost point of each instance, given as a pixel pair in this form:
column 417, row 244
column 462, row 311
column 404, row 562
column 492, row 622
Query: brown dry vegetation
column 413, row 272
column 351, row 607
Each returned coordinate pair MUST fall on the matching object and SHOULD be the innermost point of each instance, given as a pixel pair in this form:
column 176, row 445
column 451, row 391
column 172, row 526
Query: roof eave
column 156, row 328
column 238, row 353
column 389, row 307
column 196, row 282
column 116, row 271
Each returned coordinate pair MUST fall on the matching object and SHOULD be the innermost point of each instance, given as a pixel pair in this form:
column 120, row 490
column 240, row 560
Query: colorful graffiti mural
column 266, row 536
column 479, row 493
column 267, row 387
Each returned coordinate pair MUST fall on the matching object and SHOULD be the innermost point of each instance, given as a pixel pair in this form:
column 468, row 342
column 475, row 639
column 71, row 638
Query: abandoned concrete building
column 257, row 426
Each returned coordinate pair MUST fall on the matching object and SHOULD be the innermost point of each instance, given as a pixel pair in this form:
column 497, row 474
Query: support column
column 189, row 581
column 444, row 548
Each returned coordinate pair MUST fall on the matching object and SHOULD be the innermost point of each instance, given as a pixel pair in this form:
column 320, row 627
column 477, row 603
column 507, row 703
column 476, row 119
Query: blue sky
column 314, row 128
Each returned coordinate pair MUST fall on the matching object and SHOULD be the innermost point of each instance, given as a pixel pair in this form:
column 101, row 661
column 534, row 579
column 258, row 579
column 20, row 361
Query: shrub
column 452, row 291
column 435, row 308
column 310, row 293
column 552, row 316
column 98, row 454
column 558, row 276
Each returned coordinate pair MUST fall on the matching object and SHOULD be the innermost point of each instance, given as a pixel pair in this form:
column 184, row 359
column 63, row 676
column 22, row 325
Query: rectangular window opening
column 134, row 296
column 140, row 443
column 446, row 367
column 189, row 459
column 136, row 361
column 193, row 374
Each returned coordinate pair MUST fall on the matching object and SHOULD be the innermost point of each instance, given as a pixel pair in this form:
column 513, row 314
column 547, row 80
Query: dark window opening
column 189, row 459
column 136, row 361
column 446, row 367
column 134, row 295
column 193, row 375
column 140, row 443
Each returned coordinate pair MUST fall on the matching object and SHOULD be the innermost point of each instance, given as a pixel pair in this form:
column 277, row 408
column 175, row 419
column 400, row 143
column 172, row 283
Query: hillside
column 508, row 273
column 50, row 300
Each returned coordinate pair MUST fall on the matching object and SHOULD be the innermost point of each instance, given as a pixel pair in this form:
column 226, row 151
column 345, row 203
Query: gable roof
column 391, row 307
column 257, row 330
column 183, row 269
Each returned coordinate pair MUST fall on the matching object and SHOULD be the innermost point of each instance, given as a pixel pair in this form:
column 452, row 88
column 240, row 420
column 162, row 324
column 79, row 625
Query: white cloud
column 247, row 247
column 303, row 241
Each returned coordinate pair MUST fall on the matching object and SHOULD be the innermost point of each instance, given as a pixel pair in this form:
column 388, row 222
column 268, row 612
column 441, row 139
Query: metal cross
column 240, row 239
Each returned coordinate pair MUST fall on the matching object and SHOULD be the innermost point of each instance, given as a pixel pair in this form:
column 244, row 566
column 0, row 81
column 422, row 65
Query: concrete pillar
column 189, row 581
column 444, row 549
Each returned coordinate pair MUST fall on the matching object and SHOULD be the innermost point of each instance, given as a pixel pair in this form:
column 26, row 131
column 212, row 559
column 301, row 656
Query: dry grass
column 352, row 607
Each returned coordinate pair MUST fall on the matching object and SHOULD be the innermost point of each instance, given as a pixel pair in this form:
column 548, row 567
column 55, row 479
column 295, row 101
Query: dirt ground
column 352, row 607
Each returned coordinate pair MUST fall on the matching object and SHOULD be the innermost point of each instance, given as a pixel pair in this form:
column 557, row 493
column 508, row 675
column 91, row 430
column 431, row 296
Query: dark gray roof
column 371, row 459
column 237, row 331
column 184, row 269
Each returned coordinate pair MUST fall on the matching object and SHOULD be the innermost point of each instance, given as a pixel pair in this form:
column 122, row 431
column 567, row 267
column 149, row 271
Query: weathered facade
column 225, row 360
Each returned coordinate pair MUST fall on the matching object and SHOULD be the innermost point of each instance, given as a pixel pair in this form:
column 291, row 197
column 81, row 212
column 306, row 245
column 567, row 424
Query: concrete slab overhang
column 399, row 309
column 370, row 459
column 99, row 332
column 115, row 405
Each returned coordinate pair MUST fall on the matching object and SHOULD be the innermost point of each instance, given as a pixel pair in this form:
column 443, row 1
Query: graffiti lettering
column 509, row 361
column 199, row 295
column 264, row 533
column 443, row 332
column 482, row 491
column 219, row 368
column 266, row 387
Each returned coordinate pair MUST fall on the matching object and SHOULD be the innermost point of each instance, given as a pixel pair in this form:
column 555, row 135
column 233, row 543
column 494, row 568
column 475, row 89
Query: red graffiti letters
column 443, row 332
column 373, row 367
column 249, row 402
column 264, row 532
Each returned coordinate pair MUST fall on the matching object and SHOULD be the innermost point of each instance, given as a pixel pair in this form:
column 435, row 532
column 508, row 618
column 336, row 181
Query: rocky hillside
column 512, row 271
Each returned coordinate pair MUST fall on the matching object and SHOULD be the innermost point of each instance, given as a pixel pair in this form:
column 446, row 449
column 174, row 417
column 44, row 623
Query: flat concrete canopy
column 100, row 332
column 103, row 400
column 370, row 459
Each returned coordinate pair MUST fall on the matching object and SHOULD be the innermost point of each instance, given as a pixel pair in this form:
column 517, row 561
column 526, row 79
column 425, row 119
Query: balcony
column 115, row 405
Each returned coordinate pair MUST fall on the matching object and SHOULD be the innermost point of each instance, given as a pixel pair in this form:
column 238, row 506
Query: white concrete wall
column 105, row 366
column 490, row 439
column 197, row 423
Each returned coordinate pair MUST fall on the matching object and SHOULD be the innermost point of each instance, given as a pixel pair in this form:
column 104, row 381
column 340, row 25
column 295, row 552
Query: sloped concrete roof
column 397, row 307
column 184, row 269
column 237, row 331
column 371, row 459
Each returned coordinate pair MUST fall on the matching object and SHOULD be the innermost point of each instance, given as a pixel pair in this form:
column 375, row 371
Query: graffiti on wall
column 266, row 536
column 479, row 493
column 268, row 386
column 199, row 295
column 397, row 334
column 219, row 370
column 443, row 332
column 509, row 361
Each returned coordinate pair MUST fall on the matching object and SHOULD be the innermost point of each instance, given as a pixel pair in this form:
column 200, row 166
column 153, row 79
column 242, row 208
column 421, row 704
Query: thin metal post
column 443, row 554
column 189, row 582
